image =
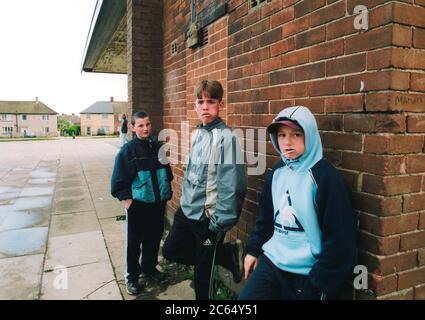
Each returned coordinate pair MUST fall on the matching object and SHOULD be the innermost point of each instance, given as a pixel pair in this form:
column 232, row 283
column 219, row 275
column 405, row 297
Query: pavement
column 59, row 235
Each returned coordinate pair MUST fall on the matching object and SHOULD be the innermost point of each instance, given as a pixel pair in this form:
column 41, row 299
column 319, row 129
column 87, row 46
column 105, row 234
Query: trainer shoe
column 133, row 288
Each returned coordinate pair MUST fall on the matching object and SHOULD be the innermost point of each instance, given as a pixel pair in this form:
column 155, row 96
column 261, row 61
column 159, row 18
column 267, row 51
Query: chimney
column 112, row 99
column 36, row 99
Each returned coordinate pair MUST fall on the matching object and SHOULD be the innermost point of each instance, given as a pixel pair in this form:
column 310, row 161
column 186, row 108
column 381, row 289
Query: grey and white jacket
column 214, row 184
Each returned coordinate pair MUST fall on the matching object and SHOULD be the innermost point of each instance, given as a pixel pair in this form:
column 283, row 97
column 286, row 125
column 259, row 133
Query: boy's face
column 207, row 108
column 291, row 142
column 142, row 127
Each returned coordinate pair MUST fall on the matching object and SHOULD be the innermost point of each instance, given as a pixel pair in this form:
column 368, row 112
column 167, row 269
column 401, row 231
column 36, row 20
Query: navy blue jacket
column 141, row 172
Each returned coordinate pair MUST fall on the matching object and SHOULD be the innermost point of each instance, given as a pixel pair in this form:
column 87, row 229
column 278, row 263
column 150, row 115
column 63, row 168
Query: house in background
column 73, row 119
column 102, row 117
column 27, row 118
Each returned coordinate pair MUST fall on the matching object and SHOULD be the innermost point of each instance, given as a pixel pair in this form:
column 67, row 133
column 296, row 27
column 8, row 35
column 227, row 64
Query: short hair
column 212, row 89
column 140, row 115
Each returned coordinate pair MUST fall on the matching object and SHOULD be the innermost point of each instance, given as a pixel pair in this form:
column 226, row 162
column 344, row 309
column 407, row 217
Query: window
column 7, row 129
column 46, row 130
column 88, row 116
column 3, row 117
column 174, row 47
column 105, row 116
column 256, row 3
column 24, row 117
column 45, row 117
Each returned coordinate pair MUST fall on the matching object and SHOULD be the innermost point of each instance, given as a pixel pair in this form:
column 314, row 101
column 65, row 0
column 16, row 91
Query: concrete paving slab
column 26, row 203
column 42, row 181
column 108, row 208
column 20, row 277
column 76, row 249
column 72, row 205
column 24, row 219
column 179, row 291
column 81, row 283
column 37, row 191
column 113, row 230
column 43, row 173
column 23, row 241
column 64, row 193
column 69, row 183
column 116, row 251
column 73, row 223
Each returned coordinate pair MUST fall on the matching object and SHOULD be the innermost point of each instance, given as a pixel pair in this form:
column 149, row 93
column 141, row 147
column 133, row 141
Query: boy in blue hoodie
column 303, row 244
column 141, row 178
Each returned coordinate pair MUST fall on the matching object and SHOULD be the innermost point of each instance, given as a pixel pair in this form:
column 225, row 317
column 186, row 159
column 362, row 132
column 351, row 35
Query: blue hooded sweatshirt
column 306, row 223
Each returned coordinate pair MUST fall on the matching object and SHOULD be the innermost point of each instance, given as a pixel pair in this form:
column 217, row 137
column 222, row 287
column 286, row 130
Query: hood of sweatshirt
column 313, row 146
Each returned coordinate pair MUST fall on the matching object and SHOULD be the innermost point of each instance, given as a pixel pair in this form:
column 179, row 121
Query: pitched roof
column 106, row 107
column 25, row 107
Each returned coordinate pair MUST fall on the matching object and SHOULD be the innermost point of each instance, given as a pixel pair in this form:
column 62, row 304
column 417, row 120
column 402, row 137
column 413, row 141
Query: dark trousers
column 145, row 227
column 267, row 282
column 187, row 244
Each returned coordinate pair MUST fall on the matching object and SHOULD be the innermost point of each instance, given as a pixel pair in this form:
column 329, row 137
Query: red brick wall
column 309, row 53
column 144, row 50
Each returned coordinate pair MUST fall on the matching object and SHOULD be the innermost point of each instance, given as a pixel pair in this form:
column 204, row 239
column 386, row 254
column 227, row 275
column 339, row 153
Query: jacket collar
column 210, row 126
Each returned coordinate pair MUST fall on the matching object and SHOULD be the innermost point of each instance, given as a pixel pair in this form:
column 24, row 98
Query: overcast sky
column 41, row 48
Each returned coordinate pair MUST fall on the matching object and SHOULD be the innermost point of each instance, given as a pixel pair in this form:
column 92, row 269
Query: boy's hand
column 128, row 203
column 250, row 264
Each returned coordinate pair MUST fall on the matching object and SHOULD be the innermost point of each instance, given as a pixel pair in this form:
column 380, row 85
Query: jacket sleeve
column 264, row 226
column 338, row 225
column 231, row 185
column 122, row 176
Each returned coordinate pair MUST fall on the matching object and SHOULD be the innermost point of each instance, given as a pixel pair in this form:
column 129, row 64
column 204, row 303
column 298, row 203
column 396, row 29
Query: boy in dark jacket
column 303, row 244
column 142, row 179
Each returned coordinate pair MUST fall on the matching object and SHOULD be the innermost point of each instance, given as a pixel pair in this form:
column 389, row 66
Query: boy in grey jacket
column 213, row 191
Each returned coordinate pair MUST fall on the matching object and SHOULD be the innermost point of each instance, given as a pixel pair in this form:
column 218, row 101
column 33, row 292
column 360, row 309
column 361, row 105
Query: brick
column 407, row 294
column 421, row 257
column 351, row 4
column 260, row 81
column 271, row 8
column 386, row 265
column 271, row 37
column 294, row 91
column 415, row 163
column 311, row 71
column 422, row 220
column 388, row 186
column 411, row 278
column 402, row 36
column 380, row 16
column 395, row 101
column 344, row 104
column 275, row 108
column 329, row 122
column 416, row 123
column 316, row 105
column 271, row 64
column 417, row 81
column 342, row 141
column 409, row 15
column 379, row 245
column 295, row 58
column 420, row 292
column 414, row 202
column 282, row 47
column 412, row 240
column 327, row 50
column 340, row 28
column 376, row 164
column 307, row 6
column 394, row 123
column 284, row 76
column 351, row 64
column 327, row 14
column 282, row 17
column 310, row 37
column 408, row 58
column 271, row 93
column 388, row 225
column 391, row 144
column 419, row 38
column 382, row 285
column 295, row 26
column 325, row 87
column 377, row 80
column 379, row 59
column 378, row 205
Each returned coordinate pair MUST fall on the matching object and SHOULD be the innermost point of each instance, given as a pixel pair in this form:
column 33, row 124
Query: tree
column 63, row 126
